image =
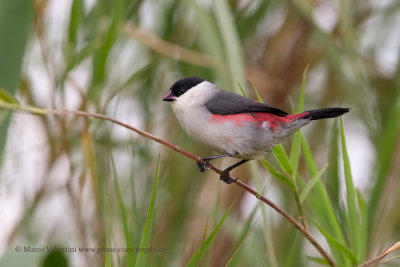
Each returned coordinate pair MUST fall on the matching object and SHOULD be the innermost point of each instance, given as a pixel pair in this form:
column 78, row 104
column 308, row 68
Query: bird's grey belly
column 248, row 140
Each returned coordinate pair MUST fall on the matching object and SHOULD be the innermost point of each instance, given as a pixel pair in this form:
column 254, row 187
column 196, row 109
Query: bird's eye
column 182, row 91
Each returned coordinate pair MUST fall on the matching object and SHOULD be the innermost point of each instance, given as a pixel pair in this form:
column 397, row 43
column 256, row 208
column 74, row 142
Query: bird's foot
column 227, row 178
column 203, row 165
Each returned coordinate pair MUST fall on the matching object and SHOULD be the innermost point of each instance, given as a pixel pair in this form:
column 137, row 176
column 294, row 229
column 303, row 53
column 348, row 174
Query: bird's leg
column 226, row 177
column 203, row 166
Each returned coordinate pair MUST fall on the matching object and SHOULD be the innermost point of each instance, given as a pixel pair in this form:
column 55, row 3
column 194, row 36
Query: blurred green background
column 77, row 182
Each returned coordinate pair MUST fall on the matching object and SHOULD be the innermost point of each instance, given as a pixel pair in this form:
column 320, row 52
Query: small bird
column 233, row 124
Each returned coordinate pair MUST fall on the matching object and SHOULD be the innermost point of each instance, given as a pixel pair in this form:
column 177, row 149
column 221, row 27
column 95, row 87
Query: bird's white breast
column 192, row 114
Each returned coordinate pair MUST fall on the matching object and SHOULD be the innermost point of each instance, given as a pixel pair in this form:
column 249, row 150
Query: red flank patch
column 258, row 118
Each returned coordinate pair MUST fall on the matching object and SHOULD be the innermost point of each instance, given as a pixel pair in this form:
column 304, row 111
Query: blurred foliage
column 15, row 25
column 87, row 183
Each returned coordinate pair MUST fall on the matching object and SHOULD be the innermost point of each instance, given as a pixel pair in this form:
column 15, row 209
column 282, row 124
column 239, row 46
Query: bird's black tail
column 325, row 113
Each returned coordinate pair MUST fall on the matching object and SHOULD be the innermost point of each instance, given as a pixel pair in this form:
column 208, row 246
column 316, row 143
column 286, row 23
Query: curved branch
column 380, row 257
column 287, row 216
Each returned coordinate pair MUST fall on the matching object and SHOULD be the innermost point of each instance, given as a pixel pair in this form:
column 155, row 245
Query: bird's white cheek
column 179, row 109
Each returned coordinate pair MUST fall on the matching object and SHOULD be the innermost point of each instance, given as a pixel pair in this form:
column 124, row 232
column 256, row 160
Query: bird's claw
column 203, row 165
column 227, row 178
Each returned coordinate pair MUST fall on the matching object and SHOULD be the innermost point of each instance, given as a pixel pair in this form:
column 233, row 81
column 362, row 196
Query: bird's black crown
column 181, row 86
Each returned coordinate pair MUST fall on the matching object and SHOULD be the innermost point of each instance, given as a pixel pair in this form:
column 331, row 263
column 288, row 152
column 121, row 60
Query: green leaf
column 386, row 148
column 29, row 109
column 319, row 260
column 244, row 234
column 295, row 149
column 232, row 47
column 197, row 260
column 7, row 97
column 100, row 58
column 259, row 98
column 294, row 156
column 322, row 206
column 311, row 183
column 338, row 244
column 300, row 105
column 281, row 156
column 281, row 177
column 210, row 39
column 76, row 15
column 241, row 89
column 199, row 254
column 248, row 22
column 129, row 257
column 108, row 256
column 310, row 162
column 16, row 21
column 364, row 219
column 352, row 217
column 145, row 240
column 75, row 19
column 332, row 174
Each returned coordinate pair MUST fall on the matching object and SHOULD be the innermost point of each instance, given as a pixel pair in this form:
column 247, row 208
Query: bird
column 232, row 124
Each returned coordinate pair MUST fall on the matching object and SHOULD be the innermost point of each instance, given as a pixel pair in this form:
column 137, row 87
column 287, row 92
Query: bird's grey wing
column 226, row 103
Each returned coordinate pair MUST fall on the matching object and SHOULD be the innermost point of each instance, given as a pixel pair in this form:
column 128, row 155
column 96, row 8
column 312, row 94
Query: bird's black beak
column 169, row 96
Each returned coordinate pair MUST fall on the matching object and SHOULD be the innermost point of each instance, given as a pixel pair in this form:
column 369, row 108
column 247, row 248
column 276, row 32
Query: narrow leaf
column 231, row 42
column 300, row 106
column 337, row 244
column 311, row 183
column 352, row 212
column 7, row 97
column 16, row 21
column 295, row 149
column 108, row 245
column 319, row 260
column 281, row 177
column 76, row 15
column 129, row 257
column 364, row 219
column 310, row 162
column 241, row 89
column 386, row 149
column 144, row 242
column 202, row 244
column 259, row 99
column 281, row 156
column 243, row 236
column 198, row 255
column 322, row 205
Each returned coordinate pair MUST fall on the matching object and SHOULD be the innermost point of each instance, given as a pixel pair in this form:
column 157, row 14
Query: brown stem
column 290, row 219
column 286, row 215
